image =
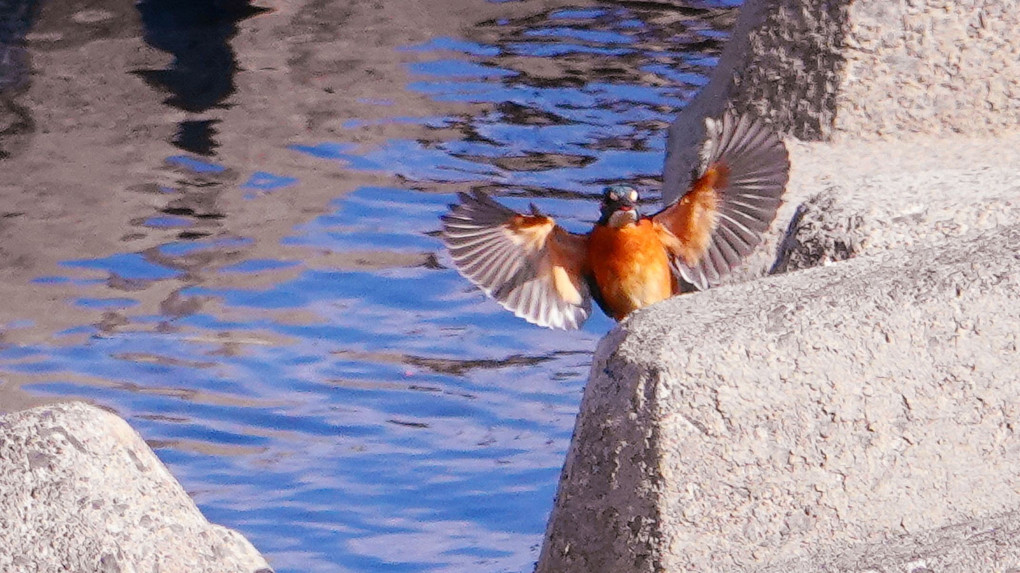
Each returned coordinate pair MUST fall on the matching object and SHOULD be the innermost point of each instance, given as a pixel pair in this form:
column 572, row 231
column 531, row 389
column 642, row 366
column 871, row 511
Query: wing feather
column 527, row 263
column 736, row 192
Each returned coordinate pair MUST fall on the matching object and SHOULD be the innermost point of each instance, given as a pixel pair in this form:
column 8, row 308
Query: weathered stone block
column 849, row 70
column 772, row 420
column 81, row 491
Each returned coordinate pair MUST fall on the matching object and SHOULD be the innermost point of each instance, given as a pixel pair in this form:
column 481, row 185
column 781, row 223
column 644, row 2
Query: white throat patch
column 620, row 218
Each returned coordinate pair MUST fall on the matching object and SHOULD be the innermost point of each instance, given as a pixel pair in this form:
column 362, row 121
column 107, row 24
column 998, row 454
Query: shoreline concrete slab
column 979, row 545
column 763, row 422
column 866, row 197
column 850, row 70
column 81, row 491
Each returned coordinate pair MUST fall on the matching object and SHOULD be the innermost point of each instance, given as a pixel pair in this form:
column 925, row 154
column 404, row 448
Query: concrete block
column 867, row 69
column 792, row 417
column 871, row 197
column 986, row 545
column 81, row 491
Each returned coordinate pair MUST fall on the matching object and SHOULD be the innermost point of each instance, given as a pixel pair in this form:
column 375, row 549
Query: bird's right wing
column 528, row 263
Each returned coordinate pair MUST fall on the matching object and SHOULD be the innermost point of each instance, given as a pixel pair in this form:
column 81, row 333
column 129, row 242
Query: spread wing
column 530, row 265
column 736, row 192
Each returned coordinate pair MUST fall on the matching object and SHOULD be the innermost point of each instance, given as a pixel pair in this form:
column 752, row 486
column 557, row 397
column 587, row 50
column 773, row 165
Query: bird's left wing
column 528, row 263
column 734, row 198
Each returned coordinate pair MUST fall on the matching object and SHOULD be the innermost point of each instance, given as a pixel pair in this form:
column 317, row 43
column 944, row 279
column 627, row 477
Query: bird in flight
column 549, row 276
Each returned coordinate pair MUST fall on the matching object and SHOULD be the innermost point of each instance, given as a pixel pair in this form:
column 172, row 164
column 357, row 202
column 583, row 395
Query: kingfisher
column 549, row 276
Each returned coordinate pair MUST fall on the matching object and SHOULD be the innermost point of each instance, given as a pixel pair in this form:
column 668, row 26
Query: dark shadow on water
column 455, row 366
column 196, row 136
column 197, row 34
column 16, row 124
column 16, row 17
column 200, row 78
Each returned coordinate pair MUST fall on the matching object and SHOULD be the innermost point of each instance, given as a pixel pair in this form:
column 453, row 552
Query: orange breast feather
column 630, row 267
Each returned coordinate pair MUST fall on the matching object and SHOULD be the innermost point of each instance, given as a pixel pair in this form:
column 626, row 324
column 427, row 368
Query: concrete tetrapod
column 793, row 417
column 81, row 491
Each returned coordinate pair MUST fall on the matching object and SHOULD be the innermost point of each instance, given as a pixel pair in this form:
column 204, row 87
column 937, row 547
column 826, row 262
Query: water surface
column 221, row 223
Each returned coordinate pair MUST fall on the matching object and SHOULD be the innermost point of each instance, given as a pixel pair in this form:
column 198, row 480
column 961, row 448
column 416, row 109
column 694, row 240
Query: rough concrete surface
column 798, row 414
column 867, row 197
column 81, row 491
column 890, row 210
column 868, row 69
column 863, row 192
column 986, row 545
column 838, row 70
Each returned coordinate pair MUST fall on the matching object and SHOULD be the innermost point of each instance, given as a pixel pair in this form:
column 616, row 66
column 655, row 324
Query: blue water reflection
column 378, row 413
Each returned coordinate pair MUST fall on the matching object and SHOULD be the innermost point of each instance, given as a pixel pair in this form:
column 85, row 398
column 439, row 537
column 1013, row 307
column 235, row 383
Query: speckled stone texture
column 986, row 545
column 863, row 198
column 794, row 416
column 836, row 70
column 81, row 491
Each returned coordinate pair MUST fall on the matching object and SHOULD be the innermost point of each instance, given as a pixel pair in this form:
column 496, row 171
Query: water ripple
column 280, row 321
